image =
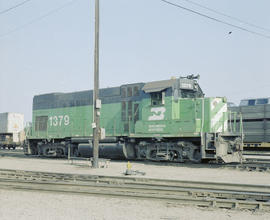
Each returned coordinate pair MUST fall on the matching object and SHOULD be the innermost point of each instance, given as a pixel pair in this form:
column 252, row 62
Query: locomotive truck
column 167, row 120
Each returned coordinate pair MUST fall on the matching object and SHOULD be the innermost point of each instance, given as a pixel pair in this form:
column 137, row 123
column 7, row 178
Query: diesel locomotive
column 168, row 120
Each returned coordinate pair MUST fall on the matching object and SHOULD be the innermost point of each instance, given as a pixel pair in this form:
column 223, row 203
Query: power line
column 37, row 19
column 13, row 7
column 217, row 20
column 228, row 16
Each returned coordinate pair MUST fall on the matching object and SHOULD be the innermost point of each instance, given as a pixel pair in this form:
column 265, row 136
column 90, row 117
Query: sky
column 140, row 41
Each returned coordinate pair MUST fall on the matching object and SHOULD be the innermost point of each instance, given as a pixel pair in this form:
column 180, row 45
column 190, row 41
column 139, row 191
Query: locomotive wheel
column 175, row 156
column 190, row 152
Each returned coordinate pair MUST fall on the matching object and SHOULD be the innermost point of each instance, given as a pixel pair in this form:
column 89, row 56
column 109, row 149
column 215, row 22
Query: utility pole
column 96, row 101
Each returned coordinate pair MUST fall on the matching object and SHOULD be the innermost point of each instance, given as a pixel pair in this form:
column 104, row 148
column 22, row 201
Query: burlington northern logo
column 158, row 113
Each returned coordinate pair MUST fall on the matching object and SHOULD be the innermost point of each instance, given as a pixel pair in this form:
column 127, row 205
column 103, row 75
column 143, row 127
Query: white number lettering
column 66, row 120
column 58, row 121
column 55, row 121
column 50, row 121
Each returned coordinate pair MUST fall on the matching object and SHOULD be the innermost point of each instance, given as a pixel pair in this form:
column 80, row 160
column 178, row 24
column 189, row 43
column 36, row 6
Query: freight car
column 11, row 130
column 256, row 122
column 162, row 120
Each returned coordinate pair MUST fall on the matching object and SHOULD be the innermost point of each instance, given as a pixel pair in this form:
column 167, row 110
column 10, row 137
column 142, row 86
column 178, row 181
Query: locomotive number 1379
column 59, row 120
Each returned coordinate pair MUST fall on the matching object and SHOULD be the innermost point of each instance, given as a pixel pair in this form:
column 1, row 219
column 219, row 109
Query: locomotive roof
column 157, row 86
column 109, row 95
column 180, row 83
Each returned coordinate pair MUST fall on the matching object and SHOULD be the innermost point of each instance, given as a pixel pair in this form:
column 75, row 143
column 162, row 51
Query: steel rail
column 187, row 191
column 125, row 180
column 176, row 199
column 222, row 195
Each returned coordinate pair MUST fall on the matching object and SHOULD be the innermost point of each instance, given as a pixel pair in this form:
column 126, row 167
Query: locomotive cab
column 179, row 124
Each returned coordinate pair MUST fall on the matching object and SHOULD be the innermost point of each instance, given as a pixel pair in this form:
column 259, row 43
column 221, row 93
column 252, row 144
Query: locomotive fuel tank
column 118, row 151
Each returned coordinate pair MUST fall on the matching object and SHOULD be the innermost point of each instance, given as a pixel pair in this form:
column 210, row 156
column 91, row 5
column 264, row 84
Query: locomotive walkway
column 206, row 194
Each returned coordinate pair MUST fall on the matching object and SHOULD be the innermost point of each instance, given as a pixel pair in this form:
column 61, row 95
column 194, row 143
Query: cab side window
column 157, row 98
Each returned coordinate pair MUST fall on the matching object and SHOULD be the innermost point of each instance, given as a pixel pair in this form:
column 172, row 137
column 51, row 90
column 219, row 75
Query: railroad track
column 257, row 153
column 206, row 194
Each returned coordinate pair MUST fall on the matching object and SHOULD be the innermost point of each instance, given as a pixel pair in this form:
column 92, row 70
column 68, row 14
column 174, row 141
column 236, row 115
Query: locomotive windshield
column 189, row 88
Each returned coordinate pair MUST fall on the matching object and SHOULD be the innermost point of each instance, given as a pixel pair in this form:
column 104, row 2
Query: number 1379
column 59, row 120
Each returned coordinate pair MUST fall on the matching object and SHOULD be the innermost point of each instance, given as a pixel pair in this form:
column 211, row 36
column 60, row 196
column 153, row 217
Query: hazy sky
column 141, row 41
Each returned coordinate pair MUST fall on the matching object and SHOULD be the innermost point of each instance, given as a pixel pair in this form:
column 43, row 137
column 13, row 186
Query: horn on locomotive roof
column 191, row 76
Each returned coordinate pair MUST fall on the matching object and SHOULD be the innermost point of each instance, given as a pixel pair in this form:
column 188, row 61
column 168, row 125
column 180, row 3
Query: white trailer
column 11, row 129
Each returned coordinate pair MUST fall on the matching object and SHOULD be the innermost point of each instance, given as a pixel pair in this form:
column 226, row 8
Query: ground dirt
column 35, row 205
column 156, row 170
column 40, row 205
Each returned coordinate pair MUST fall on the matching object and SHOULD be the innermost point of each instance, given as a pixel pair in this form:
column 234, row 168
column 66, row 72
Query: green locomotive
column 162, row 120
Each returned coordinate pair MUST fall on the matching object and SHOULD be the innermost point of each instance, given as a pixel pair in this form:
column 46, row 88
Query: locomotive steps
column 206, row 194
